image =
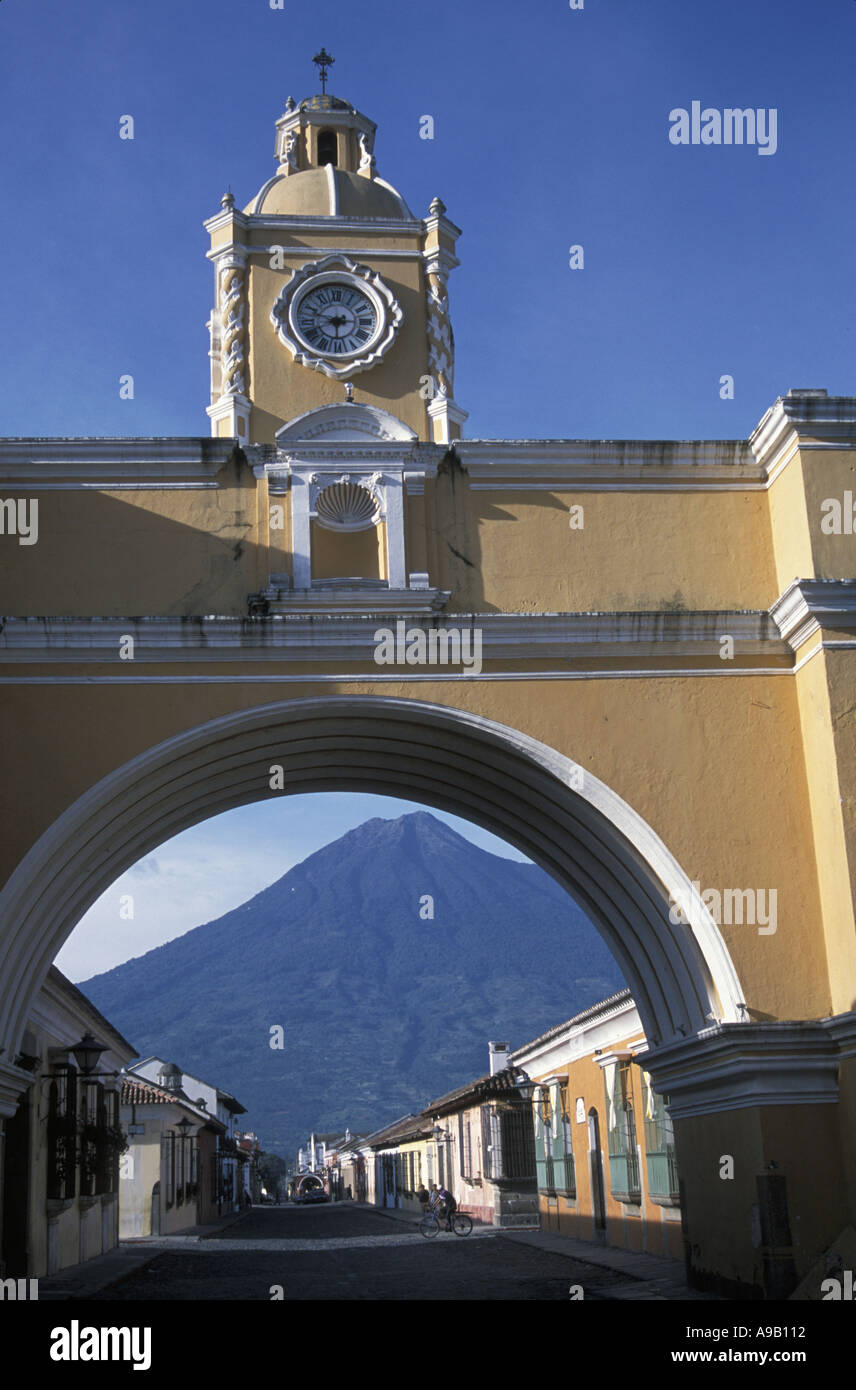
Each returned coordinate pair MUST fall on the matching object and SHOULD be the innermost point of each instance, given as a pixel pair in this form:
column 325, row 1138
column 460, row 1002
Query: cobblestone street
column 342, row 1253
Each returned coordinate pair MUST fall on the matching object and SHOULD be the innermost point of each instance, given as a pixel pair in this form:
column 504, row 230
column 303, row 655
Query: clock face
column 335, row 319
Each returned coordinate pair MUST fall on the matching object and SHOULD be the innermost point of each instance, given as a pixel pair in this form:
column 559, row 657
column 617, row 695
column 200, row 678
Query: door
column 598, row 1190
column 389, row 1192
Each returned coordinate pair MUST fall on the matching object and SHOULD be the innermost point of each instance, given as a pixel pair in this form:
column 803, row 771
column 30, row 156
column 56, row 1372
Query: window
column 554, row 1155
column 106, row 1139
column 544, row 1153
column 168, row 1167
column 564, row 1171
column 328, row 147
column 507, row 1142
column 621, row 1130
column 491, row 1143
column 409, row 1173
column 660, row 1163
column 90, row 1120
column 465, row 1147
column 62, row 1136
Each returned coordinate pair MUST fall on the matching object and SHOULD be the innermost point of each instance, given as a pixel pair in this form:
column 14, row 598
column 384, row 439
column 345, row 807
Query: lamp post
column 183, row 1126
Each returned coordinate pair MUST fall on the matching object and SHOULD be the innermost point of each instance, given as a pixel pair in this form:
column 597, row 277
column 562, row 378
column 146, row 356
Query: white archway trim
column 589, row 840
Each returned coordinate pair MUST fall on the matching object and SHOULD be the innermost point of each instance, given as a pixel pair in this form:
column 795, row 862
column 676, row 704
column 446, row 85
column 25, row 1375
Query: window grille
column 544, row 1173
column 623, row 1153
column 90, row 1118
column 193, row 1173
column 168, row 1167
column 564, row 1172
column 104, row 1162
column 465, row 1148
column 507, row 1143
column 62, row 1136
column 660, row 1162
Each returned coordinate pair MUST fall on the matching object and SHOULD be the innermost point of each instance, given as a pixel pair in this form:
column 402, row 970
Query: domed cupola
column 326, row 277
column 170, row 1077
column 326, row 166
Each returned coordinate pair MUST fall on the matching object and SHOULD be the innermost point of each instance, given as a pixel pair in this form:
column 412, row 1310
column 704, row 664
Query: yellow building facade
column 634, row 660
column 63, row 1145
column 605, row 1151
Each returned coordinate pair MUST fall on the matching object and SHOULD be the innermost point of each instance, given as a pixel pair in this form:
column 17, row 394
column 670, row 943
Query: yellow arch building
column 635, row 660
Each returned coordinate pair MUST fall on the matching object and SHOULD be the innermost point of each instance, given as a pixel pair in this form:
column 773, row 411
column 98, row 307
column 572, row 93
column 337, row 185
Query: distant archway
column 588, row 839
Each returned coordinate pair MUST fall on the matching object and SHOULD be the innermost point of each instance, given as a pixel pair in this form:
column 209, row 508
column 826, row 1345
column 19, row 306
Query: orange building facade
column 604, row 1144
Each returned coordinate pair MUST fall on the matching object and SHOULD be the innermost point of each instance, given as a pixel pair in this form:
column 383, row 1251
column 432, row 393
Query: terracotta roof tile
column 145, row 1093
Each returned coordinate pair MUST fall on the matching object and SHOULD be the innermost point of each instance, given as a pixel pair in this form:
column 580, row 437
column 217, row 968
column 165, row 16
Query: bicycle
column 430, row 1225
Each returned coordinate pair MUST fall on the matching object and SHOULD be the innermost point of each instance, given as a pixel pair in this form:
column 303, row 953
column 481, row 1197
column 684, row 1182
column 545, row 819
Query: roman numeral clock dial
column 336, row 320
column 336, row 316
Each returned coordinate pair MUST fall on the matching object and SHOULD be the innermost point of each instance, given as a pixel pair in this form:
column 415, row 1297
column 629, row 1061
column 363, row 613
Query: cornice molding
column 609, row 464
column 290, row 632
column 14, row 1081
column 316, row 222
column 226, row 217
column 441, row 224
column 800, row 420
column 734, row 1066
column 105, row 463
column 303, row 252
column 805, row 420
column 809, row 606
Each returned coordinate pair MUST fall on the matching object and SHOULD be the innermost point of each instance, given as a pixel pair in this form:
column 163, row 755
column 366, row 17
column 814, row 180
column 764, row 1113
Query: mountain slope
column 382, row 1008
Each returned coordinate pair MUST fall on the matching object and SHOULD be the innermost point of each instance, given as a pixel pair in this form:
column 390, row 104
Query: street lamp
column 86, row 1054
column 525, row 1085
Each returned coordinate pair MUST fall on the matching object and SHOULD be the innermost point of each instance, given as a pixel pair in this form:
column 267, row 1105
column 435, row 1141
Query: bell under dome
column 326, row 166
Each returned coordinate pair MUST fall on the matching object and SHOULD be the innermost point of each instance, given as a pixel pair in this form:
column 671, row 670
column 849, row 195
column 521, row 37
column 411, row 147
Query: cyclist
column 448, row 1208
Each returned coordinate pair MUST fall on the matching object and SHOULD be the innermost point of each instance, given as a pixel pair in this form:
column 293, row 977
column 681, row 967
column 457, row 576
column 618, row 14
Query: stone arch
column 588, row 839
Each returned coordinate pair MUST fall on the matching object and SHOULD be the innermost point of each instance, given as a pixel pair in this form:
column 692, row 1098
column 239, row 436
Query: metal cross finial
column 324, row 61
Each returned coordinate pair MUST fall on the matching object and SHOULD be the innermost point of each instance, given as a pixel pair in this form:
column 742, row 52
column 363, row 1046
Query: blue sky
column 551, row 130
column 207, row 870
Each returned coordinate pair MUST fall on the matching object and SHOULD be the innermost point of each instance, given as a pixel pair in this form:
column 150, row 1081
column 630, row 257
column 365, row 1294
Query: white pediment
column 350, row 420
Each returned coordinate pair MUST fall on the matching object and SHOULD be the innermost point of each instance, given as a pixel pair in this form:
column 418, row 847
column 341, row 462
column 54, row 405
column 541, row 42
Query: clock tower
column 326, row 285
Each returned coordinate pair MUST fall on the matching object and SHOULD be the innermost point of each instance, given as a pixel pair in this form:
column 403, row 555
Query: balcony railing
column 624, row 1177
column 663, row 1186
column 568, row 1178
column 557, row 1174
column 544, row 1168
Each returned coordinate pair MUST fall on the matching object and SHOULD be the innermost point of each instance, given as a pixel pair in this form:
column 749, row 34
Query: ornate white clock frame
column 338, row 269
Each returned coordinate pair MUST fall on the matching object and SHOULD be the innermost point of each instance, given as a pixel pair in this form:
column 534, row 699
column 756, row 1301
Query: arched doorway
column 598, row 1190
